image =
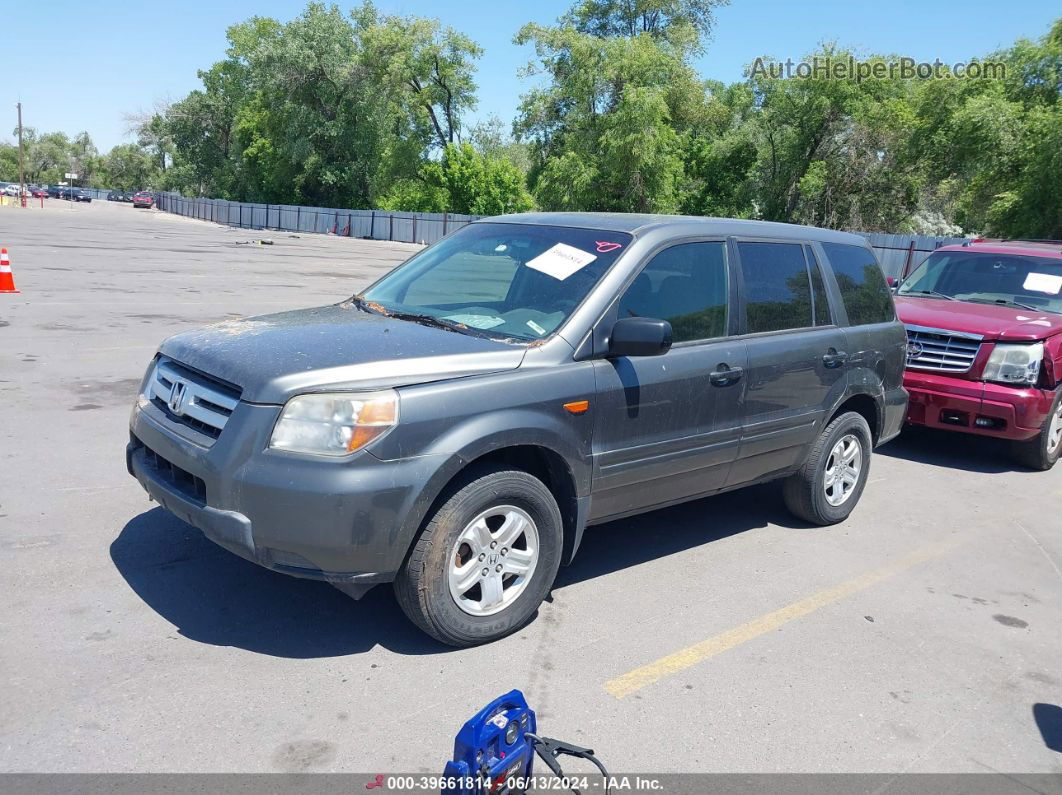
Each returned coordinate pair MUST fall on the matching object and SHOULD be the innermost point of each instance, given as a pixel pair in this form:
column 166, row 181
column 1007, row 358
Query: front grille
column 181, row 480
column 191, row 398
column 940, row 349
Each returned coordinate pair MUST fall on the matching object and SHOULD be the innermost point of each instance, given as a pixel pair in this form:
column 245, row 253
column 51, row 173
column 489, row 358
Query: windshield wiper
column 413, row 317
column 930, row 292
column 426, row 320
column 1008, row 302
column 431, row 320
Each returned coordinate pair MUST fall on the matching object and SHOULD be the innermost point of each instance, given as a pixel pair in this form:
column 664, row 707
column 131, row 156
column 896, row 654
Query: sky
column 79, row 65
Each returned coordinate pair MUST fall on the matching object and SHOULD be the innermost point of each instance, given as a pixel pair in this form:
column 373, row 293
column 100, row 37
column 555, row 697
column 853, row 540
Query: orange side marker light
column 577, row 407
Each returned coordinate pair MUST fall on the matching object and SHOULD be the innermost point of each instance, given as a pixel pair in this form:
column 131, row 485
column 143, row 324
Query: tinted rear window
column 864, row 291
column 777, row 290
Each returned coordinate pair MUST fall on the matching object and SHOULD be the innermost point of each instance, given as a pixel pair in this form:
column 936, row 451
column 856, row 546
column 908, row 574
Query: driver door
column 668, row 427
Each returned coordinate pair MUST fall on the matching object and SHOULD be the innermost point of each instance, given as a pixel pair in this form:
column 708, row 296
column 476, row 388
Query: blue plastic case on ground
column 491, row 749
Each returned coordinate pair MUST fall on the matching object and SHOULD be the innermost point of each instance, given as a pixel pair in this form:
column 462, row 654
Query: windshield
column 502, row 280
column 981, row 277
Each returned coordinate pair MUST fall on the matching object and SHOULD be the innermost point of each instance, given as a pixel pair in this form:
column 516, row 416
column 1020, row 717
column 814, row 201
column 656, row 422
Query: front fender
column 470, row 446
column 459, row 421
column 486, row 433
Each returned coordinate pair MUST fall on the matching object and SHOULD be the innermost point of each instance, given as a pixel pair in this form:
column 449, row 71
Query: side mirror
column 639, row 336
column 893, row 282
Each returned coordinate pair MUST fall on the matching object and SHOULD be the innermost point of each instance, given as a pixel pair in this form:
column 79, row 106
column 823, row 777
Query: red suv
column 143, row 199
column 984, row 344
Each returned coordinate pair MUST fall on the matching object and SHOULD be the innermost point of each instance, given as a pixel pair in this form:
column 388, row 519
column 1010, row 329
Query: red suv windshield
column 1029, row 282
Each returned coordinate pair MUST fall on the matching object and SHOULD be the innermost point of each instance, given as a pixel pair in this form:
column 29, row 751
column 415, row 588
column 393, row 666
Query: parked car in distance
column 456, row 426
column 984, row 356
column 54, row 191
column 144, row 199
column 39, row 193
column 13, row 190
column 114, row 196
column 81, row 196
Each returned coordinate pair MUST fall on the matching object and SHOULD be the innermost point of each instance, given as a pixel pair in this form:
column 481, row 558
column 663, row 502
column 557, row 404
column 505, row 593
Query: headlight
column 334, row 424
column 1014, row 364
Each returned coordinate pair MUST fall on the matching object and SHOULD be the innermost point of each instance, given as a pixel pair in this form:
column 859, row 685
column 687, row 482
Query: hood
column 272, row 357
column 992, row 322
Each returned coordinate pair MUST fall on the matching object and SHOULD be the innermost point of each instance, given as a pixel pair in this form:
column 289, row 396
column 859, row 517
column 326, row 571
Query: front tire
column 485, row 559
column 826, row 489
column 1042, row 451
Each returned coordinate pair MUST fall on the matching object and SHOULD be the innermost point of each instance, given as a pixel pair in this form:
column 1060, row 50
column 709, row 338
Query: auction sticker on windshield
column 1042, row 283
column 561, row 261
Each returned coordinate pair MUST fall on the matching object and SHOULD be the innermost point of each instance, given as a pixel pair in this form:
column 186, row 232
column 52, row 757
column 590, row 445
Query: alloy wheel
column 1054, row 433
column 843, row 467
column 493, row 559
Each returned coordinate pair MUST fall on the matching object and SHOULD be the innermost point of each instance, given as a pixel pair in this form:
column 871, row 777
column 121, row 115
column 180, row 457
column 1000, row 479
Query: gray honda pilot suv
column 454, row 428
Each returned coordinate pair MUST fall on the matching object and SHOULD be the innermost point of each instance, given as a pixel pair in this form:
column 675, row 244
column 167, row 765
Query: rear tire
column 827, row 488
column 433, row 587
column 1042, row 451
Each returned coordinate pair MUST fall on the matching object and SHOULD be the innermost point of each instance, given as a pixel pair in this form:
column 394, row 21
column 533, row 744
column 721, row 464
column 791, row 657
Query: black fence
column 423, row 228
column 898, row 254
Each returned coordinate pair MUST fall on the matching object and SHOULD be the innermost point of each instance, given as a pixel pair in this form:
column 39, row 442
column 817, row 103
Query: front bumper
column 348, row 522
column 959, row 404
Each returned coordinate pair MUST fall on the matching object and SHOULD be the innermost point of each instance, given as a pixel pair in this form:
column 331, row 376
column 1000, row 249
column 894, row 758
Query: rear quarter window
column 862, row 285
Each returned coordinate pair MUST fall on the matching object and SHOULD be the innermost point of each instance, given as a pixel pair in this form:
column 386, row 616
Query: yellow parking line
column 646, row 675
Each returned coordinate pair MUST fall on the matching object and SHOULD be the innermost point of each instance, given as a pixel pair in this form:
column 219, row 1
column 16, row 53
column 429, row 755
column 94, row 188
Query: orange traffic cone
column 7, row 280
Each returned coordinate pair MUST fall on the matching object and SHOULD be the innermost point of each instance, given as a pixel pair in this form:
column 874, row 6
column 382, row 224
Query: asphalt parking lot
column 922, row 635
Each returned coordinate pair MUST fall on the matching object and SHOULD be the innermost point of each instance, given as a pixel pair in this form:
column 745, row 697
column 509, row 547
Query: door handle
column 725, row 375
column 834, row 358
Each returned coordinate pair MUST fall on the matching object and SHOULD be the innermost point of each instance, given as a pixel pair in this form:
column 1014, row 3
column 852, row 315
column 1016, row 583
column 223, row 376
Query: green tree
column 415, row 195
column 463, row 181
column 1031, row 206
column 129, row 167
column 609, row 129
column 328, row 109
column 8, row 162
column 84, row 159
column 201, row 129
column 659, row 18
column 46, row 156
column 491, row 139
column 433, row 66
column 832, row 152
column 366, row 109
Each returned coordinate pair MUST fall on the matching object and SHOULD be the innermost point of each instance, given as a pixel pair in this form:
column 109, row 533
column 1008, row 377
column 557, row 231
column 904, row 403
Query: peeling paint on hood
column 272, row 357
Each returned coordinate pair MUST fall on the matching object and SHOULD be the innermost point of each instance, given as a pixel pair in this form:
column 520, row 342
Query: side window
column 777, row 289
column 863, row 288
column 685, row 285
column 818, row 290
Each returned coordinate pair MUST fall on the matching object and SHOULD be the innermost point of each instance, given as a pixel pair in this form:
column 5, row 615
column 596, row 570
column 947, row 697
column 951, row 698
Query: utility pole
column 21, row 167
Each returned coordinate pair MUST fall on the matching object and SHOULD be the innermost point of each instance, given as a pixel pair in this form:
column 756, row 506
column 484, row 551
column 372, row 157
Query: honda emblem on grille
column 177, row 393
